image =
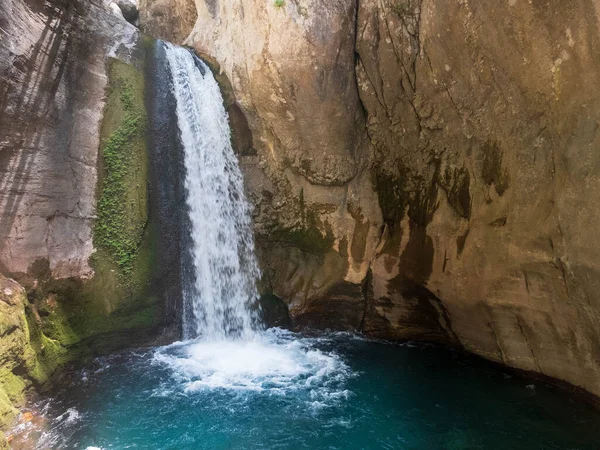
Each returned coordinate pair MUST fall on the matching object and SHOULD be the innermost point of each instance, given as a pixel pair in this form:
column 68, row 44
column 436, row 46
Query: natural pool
column 286, row 391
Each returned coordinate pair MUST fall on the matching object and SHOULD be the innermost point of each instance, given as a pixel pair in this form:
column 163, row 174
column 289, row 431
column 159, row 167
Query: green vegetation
column 93, row 315
column 66, row 320
column 122, row 212
column 400, row 8
column 118, row 299
column 279, row 3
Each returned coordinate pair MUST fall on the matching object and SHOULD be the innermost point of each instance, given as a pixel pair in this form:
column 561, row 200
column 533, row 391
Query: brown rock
column 171, row 20
column 482, row 122
column 483, row 119
column 288, row 74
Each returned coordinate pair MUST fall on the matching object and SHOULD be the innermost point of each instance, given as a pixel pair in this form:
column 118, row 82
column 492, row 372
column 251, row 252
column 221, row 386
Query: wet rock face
column 27, row 357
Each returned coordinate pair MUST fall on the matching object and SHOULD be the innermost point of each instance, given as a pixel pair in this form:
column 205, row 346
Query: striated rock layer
column 424, row 170
column 86, row 239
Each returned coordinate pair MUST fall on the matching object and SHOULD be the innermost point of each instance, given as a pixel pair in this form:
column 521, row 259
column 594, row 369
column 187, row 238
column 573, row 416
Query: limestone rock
column 171, row 20
column 57, row 59
column 484, row 122
column 53, row 74
column 288, row 75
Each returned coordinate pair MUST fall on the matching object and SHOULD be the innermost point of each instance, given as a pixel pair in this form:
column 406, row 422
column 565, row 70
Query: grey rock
column 129, row 8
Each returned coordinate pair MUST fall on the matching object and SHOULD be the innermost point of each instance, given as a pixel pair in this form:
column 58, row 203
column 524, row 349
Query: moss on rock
column 53, row 322
column 306, row 235
column 122, row 206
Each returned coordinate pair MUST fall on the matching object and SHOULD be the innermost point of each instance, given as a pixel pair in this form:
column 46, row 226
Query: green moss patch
column 122, row 206
column 305, row 236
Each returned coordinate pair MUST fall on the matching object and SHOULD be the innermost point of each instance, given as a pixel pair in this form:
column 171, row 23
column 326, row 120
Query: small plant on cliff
column 279, row 3
column 399, row 8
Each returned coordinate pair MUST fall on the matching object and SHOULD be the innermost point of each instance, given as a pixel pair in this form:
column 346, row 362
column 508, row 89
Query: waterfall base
column 290, row 391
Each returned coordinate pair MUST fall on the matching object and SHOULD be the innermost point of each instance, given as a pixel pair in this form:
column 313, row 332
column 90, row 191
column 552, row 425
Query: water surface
column 285, row 391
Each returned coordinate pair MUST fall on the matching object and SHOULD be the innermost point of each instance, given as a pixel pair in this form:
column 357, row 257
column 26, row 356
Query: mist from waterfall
column 220, row 303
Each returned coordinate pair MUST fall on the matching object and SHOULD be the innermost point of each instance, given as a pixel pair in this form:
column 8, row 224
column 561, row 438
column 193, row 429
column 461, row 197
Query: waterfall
column 219, row 304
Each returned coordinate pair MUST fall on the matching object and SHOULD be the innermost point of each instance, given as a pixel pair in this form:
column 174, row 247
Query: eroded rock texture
column 485, row 123
column 52, row 84
column 171, row 20
column 467, row 212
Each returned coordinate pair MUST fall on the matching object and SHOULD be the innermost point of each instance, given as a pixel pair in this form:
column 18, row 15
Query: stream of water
column 219, row 304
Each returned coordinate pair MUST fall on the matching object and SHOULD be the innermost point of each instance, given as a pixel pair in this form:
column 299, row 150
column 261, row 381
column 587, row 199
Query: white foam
column 275, row 362
column 70, row 416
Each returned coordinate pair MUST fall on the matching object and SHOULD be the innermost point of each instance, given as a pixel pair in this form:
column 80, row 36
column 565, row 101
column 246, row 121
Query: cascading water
column 225, row 346
column 219, row 304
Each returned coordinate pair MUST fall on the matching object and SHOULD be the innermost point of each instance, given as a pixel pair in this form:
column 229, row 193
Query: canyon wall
column 423, row 170
column 78, row 232
column 485, row 121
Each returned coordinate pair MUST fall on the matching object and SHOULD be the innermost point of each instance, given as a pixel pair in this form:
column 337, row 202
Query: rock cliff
column 424, row 170
column 485, row 124
column 77, row 231
column 171, row 20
